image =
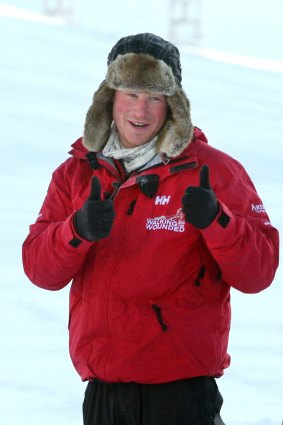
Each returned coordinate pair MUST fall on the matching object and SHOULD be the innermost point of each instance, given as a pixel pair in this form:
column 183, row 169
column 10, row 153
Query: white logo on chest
column 162, row 200
column 175, row 222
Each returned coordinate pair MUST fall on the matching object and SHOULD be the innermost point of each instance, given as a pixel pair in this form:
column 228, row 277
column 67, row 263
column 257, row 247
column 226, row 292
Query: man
column 153, row 226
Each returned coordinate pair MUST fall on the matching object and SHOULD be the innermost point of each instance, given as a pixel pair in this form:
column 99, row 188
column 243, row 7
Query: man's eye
column 155, row 99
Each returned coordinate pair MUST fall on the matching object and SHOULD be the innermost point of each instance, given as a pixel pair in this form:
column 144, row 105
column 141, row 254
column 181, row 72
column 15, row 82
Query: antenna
column 59, row 8
column 185, row 22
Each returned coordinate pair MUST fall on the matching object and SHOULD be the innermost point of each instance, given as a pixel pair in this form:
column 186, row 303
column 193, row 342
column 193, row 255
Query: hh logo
column 162, row 200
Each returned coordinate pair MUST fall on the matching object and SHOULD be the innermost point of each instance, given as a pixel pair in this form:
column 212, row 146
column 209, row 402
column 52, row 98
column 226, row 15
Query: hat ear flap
column 177, row 131
column 99, row 119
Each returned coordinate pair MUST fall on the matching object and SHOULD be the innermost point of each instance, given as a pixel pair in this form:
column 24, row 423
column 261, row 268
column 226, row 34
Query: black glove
column 200, row 205
column 94, row 220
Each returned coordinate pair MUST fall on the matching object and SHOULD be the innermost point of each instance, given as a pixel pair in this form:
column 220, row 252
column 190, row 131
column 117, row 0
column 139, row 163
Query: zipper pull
column 157, row 310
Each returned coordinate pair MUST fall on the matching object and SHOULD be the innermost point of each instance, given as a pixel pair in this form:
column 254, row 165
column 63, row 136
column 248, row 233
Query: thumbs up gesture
column 94, row 220
column 200, row 205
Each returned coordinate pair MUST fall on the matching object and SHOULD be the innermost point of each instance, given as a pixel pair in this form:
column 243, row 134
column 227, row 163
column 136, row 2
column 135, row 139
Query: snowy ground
column 47, row 75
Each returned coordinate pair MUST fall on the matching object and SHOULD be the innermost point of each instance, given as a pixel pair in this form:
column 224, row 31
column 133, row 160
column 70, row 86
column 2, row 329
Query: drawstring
column 157, row 310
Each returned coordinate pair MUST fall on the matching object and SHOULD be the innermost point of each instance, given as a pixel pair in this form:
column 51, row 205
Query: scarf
column 133, row 158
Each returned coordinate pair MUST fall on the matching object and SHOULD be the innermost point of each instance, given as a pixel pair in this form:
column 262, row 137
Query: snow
column 48, row 71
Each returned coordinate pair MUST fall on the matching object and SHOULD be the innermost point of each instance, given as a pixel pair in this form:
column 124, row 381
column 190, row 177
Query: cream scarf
column 133, row 158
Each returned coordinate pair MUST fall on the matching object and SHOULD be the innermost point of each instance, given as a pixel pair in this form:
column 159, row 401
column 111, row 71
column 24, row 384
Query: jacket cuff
column 221, row 227
column 70, row 236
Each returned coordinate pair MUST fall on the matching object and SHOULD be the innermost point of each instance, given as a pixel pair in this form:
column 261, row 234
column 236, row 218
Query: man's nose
column 141, row 108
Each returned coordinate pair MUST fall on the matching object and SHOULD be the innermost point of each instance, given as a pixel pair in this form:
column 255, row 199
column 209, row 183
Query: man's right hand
column 94, row 220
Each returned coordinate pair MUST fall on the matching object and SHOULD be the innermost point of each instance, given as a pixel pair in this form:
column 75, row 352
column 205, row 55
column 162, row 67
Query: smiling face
column 138, row 116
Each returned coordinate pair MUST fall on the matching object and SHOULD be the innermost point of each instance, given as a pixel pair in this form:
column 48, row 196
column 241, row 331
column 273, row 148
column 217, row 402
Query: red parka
column 151, row 302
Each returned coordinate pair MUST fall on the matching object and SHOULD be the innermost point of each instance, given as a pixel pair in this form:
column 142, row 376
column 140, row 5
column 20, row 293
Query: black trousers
column 195, row 401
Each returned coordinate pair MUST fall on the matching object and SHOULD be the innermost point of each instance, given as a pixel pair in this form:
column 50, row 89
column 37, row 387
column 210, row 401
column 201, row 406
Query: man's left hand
column 200, row 204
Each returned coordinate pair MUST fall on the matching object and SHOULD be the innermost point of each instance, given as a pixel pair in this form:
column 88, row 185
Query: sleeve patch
column 258, row 208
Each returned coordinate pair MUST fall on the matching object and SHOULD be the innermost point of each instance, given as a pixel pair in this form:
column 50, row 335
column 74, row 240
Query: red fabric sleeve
column 53, row 253
column 241, row 238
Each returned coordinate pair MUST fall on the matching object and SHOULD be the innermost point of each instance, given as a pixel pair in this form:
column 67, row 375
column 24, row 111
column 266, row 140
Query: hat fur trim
column 140, row 72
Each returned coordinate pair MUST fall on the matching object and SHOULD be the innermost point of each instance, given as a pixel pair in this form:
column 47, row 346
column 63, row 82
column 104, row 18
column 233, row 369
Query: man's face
column 138, row 116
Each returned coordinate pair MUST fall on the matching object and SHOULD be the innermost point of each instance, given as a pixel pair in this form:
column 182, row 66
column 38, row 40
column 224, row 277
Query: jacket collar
column 80, row 151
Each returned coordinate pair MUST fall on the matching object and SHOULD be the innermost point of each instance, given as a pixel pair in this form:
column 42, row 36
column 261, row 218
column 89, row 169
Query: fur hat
column 146, row 63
